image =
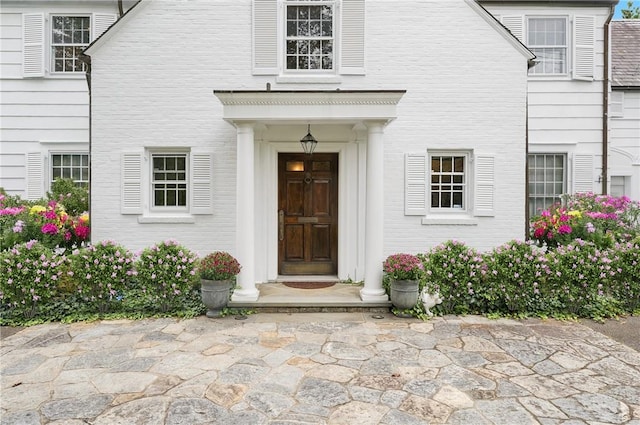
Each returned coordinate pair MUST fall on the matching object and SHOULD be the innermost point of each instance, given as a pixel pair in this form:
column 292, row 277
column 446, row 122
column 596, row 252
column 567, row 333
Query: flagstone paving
column 329, row 368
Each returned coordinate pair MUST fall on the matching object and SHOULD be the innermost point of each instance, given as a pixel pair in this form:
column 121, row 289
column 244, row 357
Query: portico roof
column 309, row 105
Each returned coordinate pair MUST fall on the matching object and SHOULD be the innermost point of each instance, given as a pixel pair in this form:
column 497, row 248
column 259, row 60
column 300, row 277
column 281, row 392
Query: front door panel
column 308, row 213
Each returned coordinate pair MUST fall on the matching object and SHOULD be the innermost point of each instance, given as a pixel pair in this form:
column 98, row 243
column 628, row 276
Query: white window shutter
column 35, row 176
column 265, row 37
column 201, row 184
column 484, row 188
column 415, row 184
column 32, row 45
column 131, row 181
column 584, row 47
column 515, row 24
column 102, row 22
column 352, row 37
column 582, row 173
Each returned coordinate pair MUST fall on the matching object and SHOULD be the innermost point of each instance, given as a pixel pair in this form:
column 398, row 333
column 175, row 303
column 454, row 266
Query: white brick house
column 421, row 137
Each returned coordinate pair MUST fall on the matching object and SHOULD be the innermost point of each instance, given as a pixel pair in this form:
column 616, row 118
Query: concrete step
column 341, row 297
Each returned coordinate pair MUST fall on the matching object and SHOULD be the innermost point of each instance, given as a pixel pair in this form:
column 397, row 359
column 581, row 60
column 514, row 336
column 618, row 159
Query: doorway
column 307, row 214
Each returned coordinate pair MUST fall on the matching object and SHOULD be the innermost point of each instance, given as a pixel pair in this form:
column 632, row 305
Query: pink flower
column 82, row 232
column 565, row 229
column 50, row 215
column 49, row 229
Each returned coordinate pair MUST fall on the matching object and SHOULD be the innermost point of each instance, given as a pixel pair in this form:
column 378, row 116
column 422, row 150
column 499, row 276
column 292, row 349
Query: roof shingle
column 625, row 53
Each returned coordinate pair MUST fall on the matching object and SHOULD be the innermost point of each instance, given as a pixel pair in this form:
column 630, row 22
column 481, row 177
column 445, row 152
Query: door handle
column 281, row 225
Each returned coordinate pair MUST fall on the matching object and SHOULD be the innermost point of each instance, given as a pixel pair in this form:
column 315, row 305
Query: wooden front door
column 308, row 213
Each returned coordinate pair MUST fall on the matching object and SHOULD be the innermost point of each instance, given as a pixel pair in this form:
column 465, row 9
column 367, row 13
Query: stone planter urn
column 215, row 295
column 404, row 293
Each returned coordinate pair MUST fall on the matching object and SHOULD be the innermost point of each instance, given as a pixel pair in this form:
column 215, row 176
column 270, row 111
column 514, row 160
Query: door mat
column 308, row 285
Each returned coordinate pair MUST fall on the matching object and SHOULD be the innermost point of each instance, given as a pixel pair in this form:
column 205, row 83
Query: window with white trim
column 547, row 180
column 169, row 187
column 309, row 35
column 302, row 39
column 51, row 44
column 70, row 165
column 547, row 39
column 448, row 181
column 450, row 187
column 70, row 35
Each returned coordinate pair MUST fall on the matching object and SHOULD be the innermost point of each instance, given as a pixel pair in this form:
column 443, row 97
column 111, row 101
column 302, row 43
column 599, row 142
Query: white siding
column 41, row 113
column 456, row 99
column 624, row 139
column 565, row 114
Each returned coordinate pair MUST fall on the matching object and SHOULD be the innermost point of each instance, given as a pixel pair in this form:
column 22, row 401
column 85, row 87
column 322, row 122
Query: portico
column 349, row 123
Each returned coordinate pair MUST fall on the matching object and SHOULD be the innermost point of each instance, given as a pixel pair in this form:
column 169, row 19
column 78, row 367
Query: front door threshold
column 341, row 297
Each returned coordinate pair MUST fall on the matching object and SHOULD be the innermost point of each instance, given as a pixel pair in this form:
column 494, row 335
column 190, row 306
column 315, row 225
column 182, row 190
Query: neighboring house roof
column 557, row 2
column 625, row 53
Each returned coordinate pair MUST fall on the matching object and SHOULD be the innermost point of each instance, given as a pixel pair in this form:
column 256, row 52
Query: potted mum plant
column 404, row 272
column 217, row 277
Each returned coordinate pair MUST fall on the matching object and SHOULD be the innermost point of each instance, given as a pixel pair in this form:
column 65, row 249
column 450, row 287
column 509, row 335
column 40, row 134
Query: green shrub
column 100, row 273
column 74, row 198
column 579, row 276
column 454, row 270
column 512, row 278
column 165, row 272
column 626, row 286
column 30, row 273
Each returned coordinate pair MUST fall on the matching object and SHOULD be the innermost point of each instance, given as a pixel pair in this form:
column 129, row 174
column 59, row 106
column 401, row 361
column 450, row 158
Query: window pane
column 447, row 164
column 171, row 198
column 435, row 202
column 459, row 164
column 435, row 164
column 159, row 198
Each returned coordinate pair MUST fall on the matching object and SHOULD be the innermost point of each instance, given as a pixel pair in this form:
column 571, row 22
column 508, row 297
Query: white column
column 245, row 222
column 374, row 216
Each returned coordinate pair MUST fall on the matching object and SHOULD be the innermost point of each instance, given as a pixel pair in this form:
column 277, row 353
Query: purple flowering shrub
column 100, row 273
column 578, row 275
column 29, row 276
column 512, row 278
column 454, row 271
column 626, row 286
column 165, row 271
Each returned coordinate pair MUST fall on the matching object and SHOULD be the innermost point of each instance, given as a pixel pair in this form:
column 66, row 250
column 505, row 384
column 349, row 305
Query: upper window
column 308, row 40
column 547, row 181
column 309, row 35
column 169, row 180
column 73, row 166
column 547, row 39
column 70, row 35
column 448, row 186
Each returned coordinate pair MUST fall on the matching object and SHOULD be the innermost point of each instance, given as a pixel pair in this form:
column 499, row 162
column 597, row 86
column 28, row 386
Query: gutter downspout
column 87, row 60
column 605, row 103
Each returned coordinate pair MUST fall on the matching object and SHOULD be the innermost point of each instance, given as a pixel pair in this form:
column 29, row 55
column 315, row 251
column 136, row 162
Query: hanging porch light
column 308, row 142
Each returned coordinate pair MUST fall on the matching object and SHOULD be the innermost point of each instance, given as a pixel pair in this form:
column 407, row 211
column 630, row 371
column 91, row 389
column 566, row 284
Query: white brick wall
column 153, row 83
